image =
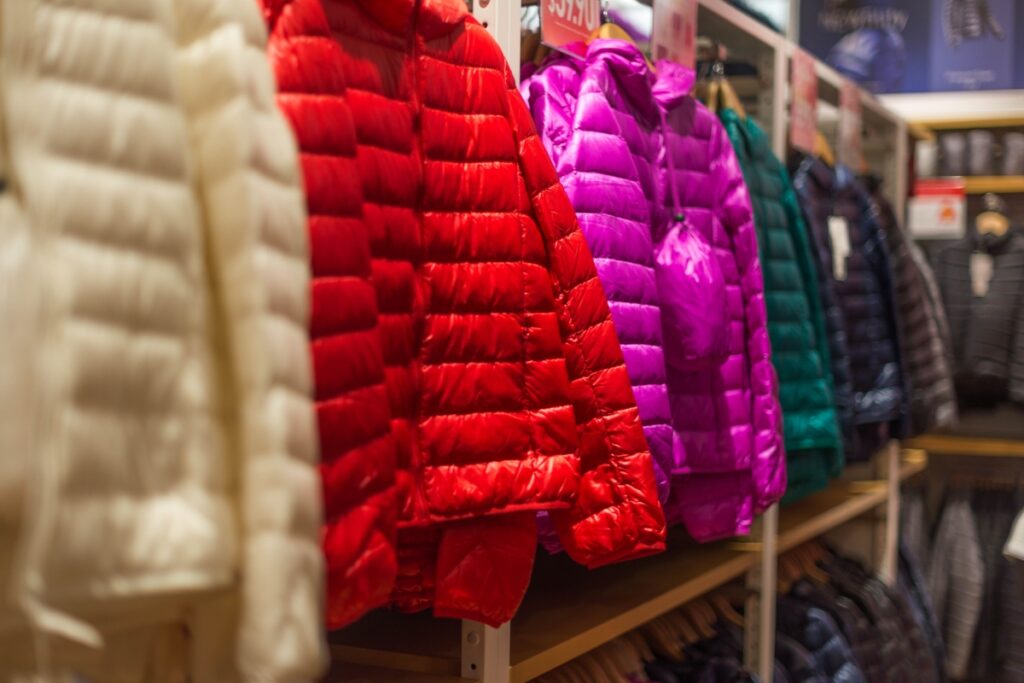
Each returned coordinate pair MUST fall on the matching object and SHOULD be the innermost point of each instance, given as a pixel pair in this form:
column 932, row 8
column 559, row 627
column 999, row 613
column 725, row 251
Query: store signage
column 938, row 209
column 568, row 24
column 803, row 106
column 850, row 126
column 675, row 31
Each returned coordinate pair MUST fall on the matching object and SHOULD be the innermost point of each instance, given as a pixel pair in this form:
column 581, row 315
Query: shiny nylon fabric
column 796, row 323
column 738, row 433
column 608, row 102
column 505, row 381
column 358, row 453
column 604, row 159
column 865, row 296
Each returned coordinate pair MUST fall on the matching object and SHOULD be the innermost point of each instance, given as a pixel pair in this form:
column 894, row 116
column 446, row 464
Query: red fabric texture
column 506, row 388
column 357, row 447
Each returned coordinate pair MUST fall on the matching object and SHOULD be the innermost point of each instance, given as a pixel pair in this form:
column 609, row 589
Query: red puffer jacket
column 505, row 380
column 357, row 448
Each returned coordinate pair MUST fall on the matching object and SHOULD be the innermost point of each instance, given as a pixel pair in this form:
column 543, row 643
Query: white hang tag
column 1014, row 548
column 981, row 273
column 839, row 234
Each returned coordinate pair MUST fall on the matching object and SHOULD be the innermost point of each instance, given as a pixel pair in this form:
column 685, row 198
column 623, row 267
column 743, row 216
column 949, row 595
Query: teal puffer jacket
column 796, row 323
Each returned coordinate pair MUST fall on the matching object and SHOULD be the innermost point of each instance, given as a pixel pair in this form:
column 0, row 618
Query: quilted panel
column 795, row 321
column 358, row 452
column 132, row 450
column 252, row 203
column 502, row 366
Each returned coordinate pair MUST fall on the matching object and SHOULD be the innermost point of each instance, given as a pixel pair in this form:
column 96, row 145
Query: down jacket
column 987, row 331
column 357, row 449
column 796, row 323
column 815, row 630
column 923, row 328
column 866, row 298
column 608, row 124
column 605, row 160
column 505, row 381
column 171, row 471
column 742, row 421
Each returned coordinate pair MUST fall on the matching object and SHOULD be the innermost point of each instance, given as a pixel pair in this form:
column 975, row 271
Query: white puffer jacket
column 171, row 476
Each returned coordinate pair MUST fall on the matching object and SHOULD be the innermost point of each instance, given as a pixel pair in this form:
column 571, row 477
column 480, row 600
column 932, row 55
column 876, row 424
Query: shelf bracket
column 887, row 529
column 759, row 635
column 486, row 652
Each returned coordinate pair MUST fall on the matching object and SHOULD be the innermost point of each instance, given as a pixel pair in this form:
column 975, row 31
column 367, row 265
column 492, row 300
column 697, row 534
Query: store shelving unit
column 968, row 446
column 994, row 183
column 568, row 610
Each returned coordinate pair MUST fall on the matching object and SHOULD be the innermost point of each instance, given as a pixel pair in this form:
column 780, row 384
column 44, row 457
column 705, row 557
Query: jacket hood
column 674, row 83
column 628, row 66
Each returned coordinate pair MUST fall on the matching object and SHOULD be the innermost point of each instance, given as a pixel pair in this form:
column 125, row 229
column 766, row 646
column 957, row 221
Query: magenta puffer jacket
column 742, row 421
column 603, row 160
column 609, row 123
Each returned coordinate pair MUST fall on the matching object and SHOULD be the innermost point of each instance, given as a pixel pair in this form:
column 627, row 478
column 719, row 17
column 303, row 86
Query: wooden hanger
column 823, row 150
column 612, row 30
column 703, row 617
column 643, row 648
column 725, row 609
column 598, row 667
column 662, row 640
column 809, row 565
column 529, row 43
column 683, row 627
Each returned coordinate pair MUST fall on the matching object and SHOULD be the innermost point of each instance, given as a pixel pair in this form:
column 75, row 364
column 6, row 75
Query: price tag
column 839, row 234
column 850, row 126
column 568, row 24
column 803, row 105
column 981, row 273
column 675, row 31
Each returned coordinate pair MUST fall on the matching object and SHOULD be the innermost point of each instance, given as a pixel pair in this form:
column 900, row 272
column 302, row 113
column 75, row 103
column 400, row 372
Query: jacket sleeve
column 254, row 219
column 766, row 412
column 616, row 515
column 1016, row 383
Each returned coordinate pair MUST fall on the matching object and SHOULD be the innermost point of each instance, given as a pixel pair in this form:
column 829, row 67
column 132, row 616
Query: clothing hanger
column 529, row 43
column 702, row 616
column 823, row 150
column 662, row 640
column 683, row 627
column 598, row 667
column 643, row 648
column 993, row 220
column 609, row 29
column 810, row 566
column 725, row 610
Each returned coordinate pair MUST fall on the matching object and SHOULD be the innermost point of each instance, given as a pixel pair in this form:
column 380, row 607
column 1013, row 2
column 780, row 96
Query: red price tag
column 568, row 24
column 803, row 106
column 850, row 127
column 675, row 31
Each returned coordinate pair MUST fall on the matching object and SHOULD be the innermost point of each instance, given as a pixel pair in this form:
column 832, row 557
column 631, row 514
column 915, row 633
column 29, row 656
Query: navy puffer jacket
column 865, row 294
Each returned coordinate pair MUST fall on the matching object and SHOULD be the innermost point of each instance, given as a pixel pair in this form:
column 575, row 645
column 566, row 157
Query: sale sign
column 938, row 209
column 568, row 24
column 850, row 126
column 675, row 31
column 803, row 106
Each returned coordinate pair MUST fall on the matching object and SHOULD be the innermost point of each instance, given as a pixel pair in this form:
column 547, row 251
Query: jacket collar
column 989, row 242
column 434, row 17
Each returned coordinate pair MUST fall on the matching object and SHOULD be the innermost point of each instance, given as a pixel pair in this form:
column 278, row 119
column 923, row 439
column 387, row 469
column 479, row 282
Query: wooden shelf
column 966, row 446
column 567, row 612
column 984, row 183
column 355, row 673
column 969, row 123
